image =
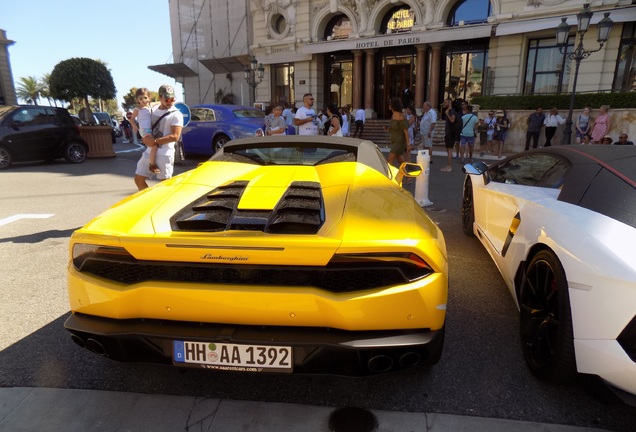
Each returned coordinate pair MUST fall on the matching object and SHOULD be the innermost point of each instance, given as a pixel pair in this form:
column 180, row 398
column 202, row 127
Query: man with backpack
column 452, row 130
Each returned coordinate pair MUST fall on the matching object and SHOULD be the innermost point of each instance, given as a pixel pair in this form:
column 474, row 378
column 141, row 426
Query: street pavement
column 69, row 410
column 63, row 410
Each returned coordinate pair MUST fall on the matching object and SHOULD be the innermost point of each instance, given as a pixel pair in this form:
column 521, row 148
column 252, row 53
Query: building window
column 547, row 69
column 279, row 23
column 338, row 28
column 278, row 26
column 399, row 19
column 465, row 71
column 625, row 76
column 469, row 12
column 340, row 79
column 283, row 84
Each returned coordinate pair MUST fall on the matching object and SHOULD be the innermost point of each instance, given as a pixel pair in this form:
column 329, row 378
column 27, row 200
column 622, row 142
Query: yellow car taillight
column 410, row 264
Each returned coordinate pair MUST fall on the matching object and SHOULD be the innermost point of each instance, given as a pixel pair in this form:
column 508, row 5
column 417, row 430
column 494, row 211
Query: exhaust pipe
column 78, row 340
column 379, row 364
column 409, row 359
column 95, row 346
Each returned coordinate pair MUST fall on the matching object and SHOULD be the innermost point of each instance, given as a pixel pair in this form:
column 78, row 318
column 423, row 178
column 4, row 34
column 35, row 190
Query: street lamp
column 562, row 34
column 254, row 74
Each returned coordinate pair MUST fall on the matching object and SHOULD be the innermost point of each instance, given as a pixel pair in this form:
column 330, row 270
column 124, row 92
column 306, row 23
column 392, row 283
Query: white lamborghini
column 560, row 224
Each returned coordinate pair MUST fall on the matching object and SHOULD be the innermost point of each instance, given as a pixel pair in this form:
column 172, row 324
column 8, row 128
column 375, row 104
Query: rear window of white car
column 611, row 196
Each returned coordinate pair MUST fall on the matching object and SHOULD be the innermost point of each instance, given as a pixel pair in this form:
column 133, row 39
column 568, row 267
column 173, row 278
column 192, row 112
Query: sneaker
column 124, row 141
column 454, row 157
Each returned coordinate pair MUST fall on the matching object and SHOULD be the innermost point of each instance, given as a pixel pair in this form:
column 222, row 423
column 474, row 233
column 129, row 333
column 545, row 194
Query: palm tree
column 45, row 91
column 29, row 90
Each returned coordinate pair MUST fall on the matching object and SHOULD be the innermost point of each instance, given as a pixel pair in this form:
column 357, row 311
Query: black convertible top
column 601, row 178
column 619, row 159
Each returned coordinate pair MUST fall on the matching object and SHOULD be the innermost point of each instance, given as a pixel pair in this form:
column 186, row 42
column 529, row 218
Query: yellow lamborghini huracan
column 293, row 254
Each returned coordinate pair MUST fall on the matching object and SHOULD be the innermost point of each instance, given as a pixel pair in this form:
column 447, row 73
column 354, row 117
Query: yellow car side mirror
column 410, row 169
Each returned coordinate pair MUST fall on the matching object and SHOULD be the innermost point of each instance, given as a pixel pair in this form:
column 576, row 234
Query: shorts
column 450, row 139
column 427, row 142
column 467, row 140
column 165, row 164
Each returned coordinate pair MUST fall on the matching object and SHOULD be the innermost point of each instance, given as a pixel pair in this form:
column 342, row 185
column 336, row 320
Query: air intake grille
column 334, row 279
column 299, row 211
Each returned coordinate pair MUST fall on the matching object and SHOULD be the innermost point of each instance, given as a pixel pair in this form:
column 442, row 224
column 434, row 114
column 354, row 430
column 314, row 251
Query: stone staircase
column 374, row 131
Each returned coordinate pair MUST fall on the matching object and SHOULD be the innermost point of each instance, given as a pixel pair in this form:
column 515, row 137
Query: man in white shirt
column 427, row 125
column 306, row 117
column 167, row 124
column 360, row 119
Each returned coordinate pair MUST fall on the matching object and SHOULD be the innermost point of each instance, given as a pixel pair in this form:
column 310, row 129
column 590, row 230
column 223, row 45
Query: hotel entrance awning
column 226, row 65
column 174, row 70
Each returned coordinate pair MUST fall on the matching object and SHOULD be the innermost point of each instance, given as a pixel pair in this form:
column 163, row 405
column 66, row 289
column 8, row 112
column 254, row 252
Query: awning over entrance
column 174, row 70
column 518, row 27
column 226, row 64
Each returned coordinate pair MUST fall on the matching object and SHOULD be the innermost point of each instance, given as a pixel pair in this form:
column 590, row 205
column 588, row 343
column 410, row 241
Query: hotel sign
column 401, row 20
column 411, row 38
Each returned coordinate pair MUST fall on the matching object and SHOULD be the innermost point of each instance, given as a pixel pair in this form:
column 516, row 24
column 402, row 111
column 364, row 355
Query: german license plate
column 233, row 357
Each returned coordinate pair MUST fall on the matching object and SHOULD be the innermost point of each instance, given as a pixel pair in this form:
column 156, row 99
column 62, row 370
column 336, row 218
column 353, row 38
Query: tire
column 545, row 320
column 5, row 158
column 75, row 152
column 468, row 208
column 219, row 141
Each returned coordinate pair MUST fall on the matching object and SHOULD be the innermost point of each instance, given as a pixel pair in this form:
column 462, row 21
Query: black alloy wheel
column 5, row 158
column 545, row 320
column 219, row 142
column 468, row 208
column 75, row 152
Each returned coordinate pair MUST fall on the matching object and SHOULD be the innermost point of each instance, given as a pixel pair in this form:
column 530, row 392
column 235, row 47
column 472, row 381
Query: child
column 143, row 116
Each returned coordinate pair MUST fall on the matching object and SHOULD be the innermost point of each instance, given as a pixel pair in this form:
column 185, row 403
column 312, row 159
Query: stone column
column 369, row 86
column 358, row 79
column 420, row 70
column 433, row 85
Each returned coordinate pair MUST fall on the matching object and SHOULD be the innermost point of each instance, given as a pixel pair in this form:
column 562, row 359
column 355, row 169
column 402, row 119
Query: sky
column 127, row 35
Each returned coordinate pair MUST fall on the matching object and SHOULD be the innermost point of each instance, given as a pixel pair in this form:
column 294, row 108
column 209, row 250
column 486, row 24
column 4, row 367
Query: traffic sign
column 185, row 110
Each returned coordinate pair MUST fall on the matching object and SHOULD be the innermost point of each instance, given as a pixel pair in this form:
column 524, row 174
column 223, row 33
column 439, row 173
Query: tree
column 45, row 91
column 29, row 90
column 81, row 78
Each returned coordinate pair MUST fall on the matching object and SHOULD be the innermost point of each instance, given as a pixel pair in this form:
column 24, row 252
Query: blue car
column 212, row 126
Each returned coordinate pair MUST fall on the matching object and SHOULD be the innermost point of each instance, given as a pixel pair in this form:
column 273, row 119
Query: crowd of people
column 463, row 128
column 588, row 130
column 307, row 120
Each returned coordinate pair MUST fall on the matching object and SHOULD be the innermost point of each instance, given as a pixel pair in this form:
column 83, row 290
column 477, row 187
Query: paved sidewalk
column 62, row 410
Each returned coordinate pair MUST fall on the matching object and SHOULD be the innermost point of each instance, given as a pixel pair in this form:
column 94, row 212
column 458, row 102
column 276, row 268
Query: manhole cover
column 352, row 419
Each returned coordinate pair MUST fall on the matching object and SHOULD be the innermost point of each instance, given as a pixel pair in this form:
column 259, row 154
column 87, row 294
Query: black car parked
column 31, row 132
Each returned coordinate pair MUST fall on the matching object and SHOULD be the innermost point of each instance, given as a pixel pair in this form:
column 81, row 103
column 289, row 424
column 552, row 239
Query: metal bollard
column 421, row 182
